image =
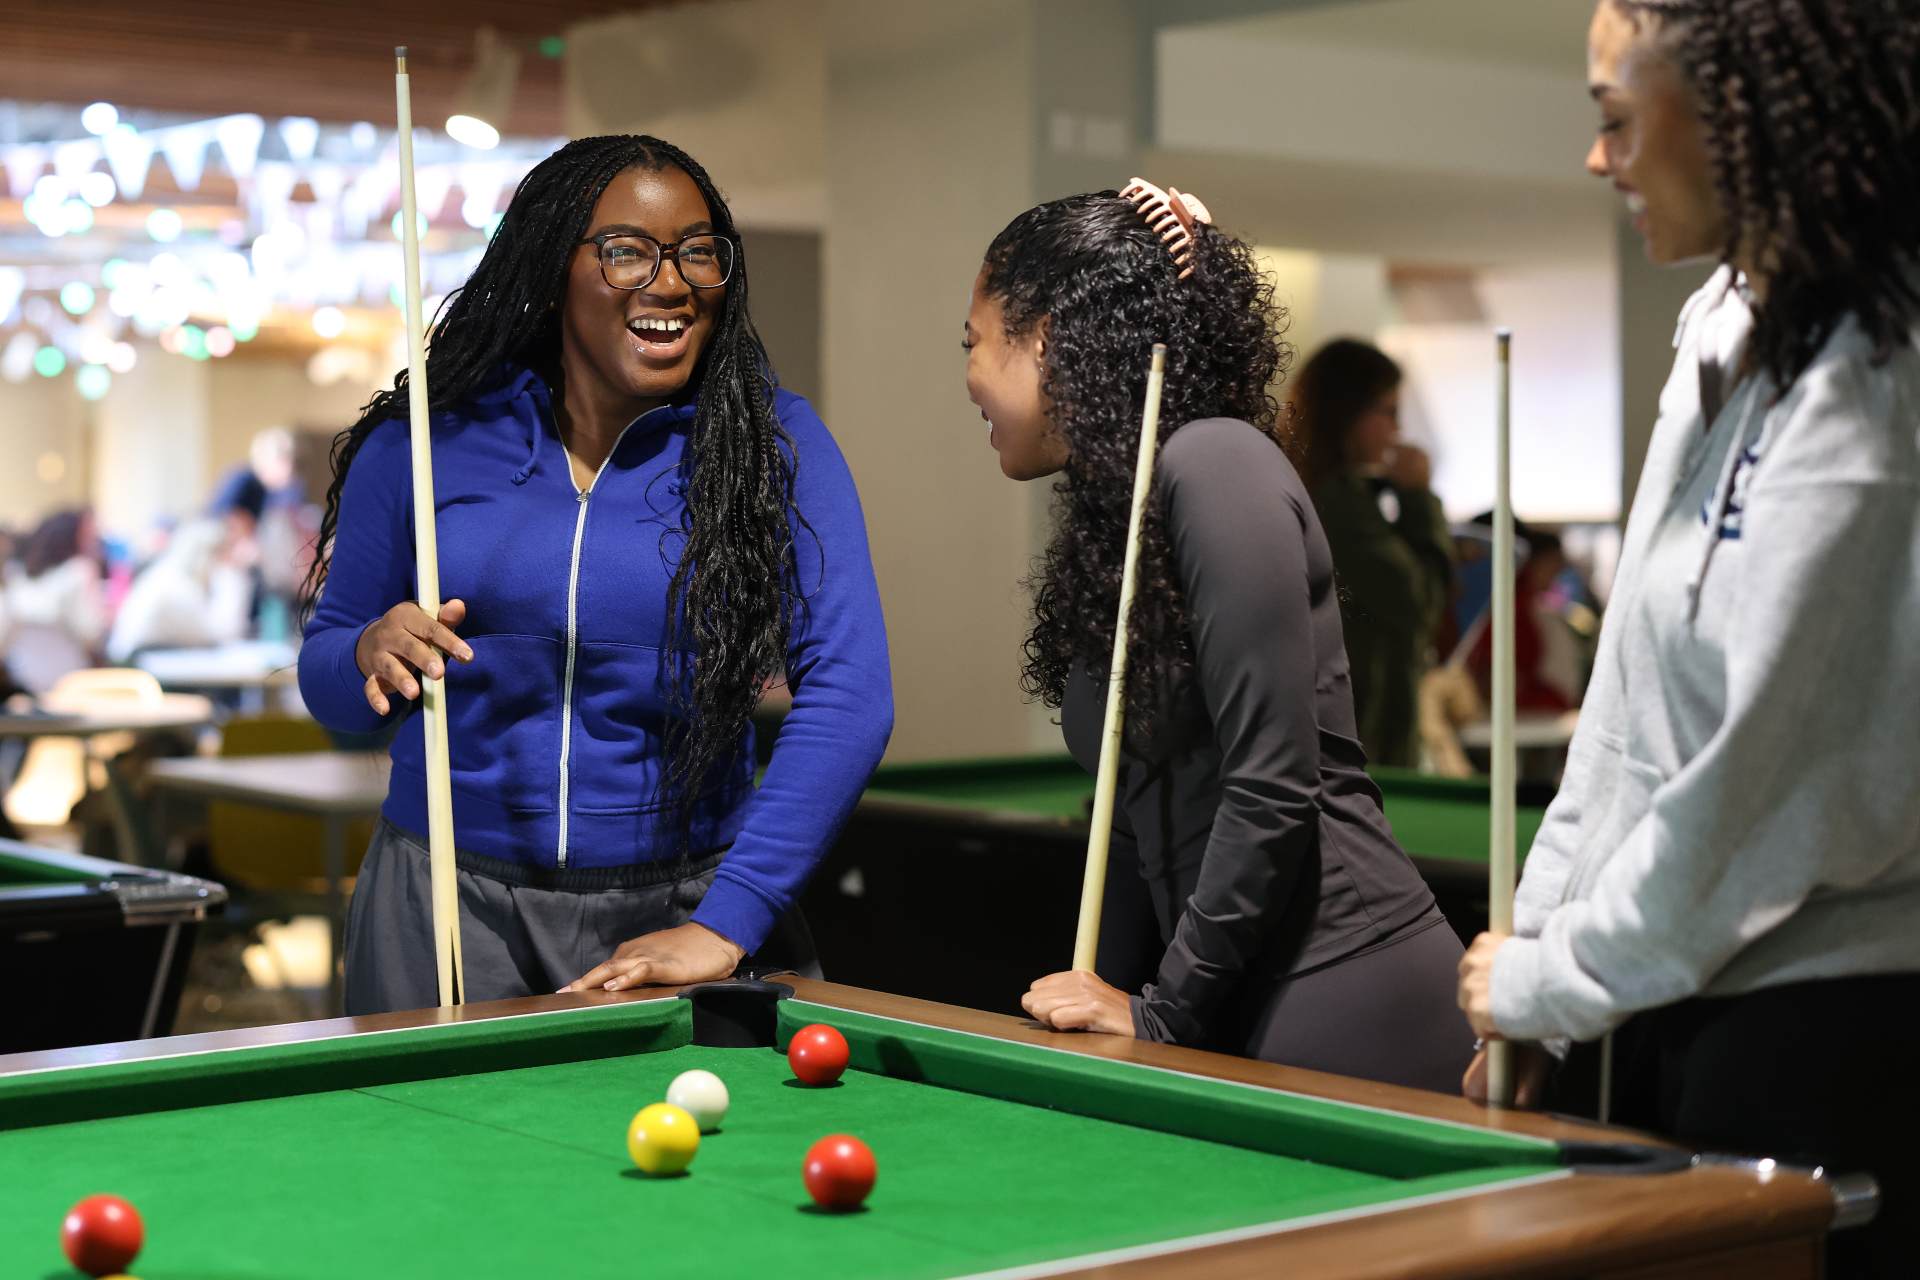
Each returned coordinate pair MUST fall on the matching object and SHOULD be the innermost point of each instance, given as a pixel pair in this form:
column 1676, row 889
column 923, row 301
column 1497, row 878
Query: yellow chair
column 263, row 850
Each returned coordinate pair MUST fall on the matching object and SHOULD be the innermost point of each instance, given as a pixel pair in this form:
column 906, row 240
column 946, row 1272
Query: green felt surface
column 17, row 872
column 484, row 1150
column 1440, row 819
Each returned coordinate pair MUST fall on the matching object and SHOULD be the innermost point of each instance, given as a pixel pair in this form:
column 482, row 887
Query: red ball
column 839, row 1172
column 102, row 1235
column 817, row 1054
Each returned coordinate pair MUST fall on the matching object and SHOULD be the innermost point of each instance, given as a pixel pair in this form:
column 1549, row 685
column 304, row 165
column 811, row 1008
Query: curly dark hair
column 735, row 590
column 1109, row 290
column 1813, row 112
column 1337, row 384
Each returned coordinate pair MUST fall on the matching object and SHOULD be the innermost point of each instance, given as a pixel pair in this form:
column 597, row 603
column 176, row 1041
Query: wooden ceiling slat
column 277, row 57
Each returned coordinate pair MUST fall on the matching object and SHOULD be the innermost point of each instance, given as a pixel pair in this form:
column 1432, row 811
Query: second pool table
column 92, row 950
column 941, row 858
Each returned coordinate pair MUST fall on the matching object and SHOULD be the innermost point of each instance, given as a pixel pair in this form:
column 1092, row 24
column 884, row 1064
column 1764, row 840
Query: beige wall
column 739, row 85
column 1650, row 302
column 150, row 455
column 156, row 445
column 41, row 417
column 929, row 153
column 787, row 306
column 248, row 393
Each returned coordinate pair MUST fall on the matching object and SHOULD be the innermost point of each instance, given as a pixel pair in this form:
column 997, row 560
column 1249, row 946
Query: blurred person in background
column 55, row 602
column 264, row 482
column 1392, row 552
column 197, row 593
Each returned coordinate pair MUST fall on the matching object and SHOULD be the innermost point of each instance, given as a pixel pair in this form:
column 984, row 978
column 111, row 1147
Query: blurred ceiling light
column 122, row 358
column 99, row 118
column 164, row 225
column 93, row 381
column 220, row 341
column 77, row 297
column 49, row 362
column 98, row 189
column 329, row 322
column 16, row 359
column 481, row 109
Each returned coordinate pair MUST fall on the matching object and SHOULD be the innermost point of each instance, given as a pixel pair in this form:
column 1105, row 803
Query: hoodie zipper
column 581, row 498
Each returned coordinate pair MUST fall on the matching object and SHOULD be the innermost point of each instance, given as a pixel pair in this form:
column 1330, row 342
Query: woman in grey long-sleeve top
column 1288, row 923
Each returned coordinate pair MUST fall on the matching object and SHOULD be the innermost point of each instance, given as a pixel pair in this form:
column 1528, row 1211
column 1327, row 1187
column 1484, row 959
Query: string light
column 164, row 225
column 99, row 119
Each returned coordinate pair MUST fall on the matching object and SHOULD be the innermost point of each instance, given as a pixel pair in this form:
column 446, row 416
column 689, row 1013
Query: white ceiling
column 1549, row 35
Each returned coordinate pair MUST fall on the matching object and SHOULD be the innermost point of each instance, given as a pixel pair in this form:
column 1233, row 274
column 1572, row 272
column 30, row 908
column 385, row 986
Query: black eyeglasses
column 629, row 261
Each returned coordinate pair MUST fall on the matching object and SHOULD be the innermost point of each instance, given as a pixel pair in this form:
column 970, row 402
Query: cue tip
column 400, row 57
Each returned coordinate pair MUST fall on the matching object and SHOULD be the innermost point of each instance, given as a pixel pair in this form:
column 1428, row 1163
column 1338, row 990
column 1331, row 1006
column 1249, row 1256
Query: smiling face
column 627, row 351
column 1653, row 145
column 1004, row 374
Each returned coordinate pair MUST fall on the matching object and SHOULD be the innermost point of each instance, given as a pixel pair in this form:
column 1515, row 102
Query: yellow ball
column 662, row 1139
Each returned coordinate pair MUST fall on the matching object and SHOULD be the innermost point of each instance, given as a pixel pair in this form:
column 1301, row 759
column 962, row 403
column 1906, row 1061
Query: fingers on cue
column 375, row 698
column 420, row 656
column 397, row 675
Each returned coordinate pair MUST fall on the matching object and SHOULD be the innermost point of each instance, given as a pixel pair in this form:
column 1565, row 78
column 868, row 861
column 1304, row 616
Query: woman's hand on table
column 1079, row 1001
column 405, row 642
column 1531, row 1063
column 1531, row 1067
column 688, row 953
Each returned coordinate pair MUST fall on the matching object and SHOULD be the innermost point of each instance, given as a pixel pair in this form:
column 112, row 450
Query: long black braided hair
column 1813, row 114
column 734, row 591
column 1110, row 290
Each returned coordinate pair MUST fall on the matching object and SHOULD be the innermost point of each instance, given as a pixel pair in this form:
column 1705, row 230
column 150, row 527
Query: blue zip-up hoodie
column 557, row 726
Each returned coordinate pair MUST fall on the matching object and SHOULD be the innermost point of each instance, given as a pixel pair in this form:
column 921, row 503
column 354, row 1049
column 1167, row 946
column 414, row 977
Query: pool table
column 489, row 1141
column 938, row 851
column 92, row 950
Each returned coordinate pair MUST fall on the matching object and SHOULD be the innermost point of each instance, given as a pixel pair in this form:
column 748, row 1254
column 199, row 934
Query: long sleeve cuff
column 737, row 912
column 1522, row 1010
column 332, row 685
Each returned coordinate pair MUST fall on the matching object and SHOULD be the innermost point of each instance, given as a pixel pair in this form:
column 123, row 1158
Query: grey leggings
column 523, row 931
column 1385, row 1014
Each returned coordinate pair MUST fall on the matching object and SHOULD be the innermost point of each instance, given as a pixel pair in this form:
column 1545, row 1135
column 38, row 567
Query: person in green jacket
column 1391, row 548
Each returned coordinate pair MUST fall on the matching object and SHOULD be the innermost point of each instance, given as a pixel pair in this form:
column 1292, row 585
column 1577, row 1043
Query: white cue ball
column 702, row 1096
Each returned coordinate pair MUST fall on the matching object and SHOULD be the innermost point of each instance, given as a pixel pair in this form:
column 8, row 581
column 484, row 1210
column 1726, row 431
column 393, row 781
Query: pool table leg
column 336, row 852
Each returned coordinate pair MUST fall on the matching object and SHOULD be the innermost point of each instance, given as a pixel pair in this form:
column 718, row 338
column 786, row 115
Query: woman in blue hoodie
column 638, row 528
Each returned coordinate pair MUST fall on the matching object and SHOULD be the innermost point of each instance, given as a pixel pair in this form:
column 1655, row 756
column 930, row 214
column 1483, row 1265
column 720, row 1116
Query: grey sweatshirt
column 1741, row 807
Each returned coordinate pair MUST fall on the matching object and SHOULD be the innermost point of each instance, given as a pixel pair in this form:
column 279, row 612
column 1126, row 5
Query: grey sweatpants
column 523, row 930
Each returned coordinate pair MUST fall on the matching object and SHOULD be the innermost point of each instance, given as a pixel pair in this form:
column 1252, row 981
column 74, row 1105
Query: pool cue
column 426, row 549
column 1094, row 885
column 1500, row 851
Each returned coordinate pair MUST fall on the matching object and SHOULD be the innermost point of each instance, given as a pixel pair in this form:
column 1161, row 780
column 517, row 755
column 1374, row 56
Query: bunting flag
column 185, row 147
column 273, row 184
column 129, row 153
column 12, row 281
column 430, row 187
column 73, row 161
column 239, row 139
column 480, row 186
column 23, row 165
column 301, row 135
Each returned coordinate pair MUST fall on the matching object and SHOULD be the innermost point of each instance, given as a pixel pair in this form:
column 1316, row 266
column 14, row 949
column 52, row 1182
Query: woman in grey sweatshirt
column 1729, row 880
